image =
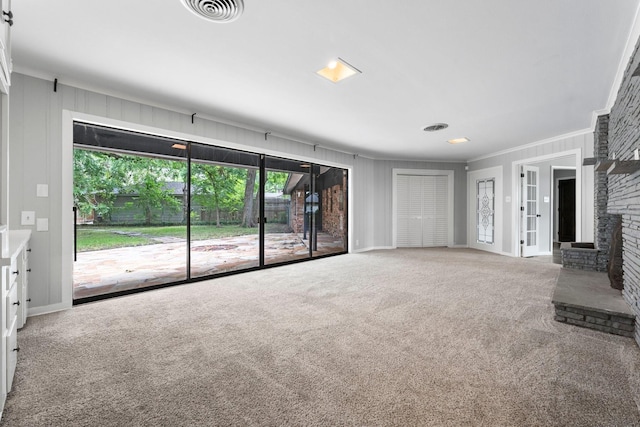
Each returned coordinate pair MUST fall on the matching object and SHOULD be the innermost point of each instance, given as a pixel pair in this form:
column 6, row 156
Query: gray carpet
column 441, row 337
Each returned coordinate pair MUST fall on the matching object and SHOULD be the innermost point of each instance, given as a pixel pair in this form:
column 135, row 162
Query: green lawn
column 93, row 238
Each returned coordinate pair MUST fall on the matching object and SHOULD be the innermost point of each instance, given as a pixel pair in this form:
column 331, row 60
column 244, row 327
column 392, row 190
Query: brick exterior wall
column 334, row 212
column 296, row 211
column 624, row 190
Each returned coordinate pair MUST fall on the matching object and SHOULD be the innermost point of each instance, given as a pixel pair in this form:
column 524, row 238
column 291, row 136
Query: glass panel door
column 531, row 216
column 224, row 210
column 331, row 220
column 289, row 209
column 485, row 210
column 130, row 211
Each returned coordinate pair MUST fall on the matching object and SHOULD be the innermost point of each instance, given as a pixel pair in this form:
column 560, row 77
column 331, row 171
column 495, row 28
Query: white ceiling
column 503, row 73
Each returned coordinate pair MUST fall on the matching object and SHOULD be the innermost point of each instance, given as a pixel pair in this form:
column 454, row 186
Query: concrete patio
column 114, row 270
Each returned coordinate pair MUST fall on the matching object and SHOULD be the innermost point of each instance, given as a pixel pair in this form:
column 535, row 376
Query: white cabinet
column 6, row 18
column 23, row 285
column 15, row 289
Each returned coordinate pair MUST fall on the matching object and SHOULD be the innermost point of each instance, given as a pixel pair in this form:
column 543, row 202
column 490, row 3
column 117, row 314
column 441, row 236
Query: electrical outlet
column 357, row 242
column 28, row 218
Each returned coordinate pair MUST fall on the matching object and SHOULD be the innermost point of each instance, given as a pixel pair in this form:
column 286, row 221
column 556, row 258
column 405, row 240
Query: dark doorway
column 567, row 210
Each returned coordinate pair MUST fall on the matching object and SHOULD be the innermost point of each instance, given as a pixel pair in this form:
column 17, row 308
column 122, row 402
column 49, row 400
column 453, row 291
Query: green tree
column 96, row 175
column 215, row 187
column 276, row 182
column 148, row 181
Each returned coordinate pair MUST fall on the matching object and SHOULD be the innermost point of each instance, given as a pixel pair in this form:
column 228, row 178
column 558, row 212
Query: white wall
column 40, row 155
column 580, row 142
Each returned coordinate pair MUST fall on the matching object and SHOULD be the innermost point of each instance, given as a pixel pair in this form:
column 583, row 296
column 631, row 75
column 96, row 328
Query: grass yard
column 92, row 238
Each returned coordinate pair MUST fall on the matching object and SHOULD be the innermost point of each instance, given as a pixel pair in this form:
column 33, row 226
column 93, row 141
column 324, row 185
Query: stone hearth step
column 585, row 298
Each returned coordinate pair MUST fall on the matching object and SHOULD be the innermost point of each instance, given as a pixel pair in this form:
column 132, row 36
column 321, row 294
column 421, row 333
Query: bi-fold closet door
column 422, row 210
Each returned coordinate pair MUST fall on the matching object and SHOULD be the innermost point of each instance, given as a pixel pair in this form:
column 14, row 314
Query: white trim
column 495, row 173
column 515, row 192
column 629, row 48
column 421, row 172
column 534, row 144
column 459, row 247
column 66, row 246
column 374, row 248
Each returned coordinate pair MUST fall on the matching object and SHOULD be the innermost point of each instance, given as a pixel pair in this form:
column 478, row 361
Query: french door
column 530, row 223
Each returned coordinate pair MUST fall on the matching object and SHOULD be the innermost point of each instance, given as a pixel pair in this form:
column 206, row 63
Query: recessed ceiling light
column 338, row 70
column 458, row 140
column 436, row 127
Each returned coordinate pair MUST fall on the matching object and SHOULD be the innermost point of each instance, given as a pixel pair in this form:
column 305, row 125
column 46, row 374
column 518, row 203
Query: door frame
column 515, row 191
column 556, row 201
column 66, row 183
column 420, row 172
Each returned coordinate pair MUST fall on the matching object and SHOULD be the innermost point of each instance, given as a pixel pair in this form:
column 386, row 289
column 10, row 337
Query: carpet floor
column 408, row 337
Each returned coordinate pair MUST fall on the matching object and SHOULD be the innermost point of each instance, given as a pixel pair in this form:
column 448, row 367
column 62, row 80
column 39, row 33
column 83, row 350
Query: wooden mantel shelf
column 622, row 167
column 603, row 165
column 589, row 161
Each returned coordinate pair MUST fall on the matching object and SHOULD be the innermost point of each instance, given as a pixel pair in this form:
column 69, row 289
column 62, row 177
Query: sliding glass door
column 130, row 212
column 286, row 215
column 224, row 229
column 151, row 211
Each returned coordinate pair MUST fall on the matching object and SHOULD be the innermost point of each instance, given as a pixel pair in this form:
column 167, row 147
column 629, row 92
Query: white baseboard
column 46, row 309
column 373, row 248
column 459, row 246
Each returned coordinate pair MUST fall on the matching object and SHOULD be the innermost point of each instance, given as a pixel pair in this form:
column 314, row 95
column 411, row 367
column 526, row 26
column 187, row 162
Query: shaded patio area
column 114, row 270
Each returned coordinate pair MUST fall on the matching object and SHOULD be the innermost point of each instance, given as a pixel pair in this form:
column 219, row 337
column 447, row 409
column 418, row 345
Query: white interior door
column 531, row 216
column 409, row 212
column 422, row 211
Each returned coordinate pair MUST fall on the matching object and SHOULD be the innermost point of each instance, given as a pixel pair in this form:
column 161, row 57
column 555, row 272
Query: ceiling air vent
column 216, row 10
column 436, row 127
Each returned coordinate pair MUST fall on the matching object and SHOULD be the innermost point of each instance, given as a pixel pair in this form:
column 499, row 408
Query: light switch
column 43, row 224
column 546, row 199
column 28, row 218
column 42, row 190
column 507, row 199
